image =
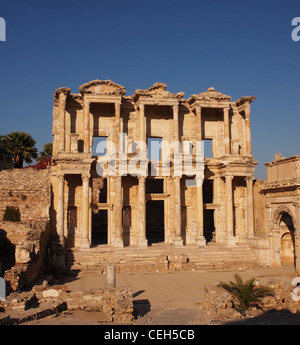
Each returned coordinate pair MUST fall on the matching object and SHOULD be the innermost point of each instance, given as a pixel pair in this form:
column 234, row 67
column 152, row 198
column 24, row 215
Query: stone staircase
column 160, row 258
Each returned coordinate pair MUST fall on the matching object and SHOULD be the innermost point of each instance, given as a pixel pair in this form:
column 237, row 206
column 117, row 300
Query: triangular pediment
column 102, row 87
column 210, row 94
column 158, row 90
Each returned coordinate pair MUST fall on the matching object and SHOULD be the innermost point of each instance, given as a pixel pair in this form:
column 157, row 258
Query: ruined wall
column 27, row 189
column 259, row 209
column 30, row 191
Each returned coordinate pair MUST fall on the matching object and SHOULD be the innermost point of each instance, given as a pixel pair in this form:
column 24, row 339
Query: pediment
column 210, row 94
column 158, row 90
column 102, row 87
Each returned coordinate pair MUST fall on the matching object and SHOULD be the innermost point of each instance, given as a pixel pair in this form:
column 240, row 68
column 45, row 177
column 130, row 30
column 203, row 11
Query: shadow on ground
column 272, row 317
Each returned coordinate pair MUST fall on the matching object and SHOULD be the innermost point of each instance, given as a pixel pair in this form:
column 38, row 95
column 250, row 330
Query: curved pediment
column 102, row 87
column 158, row 90
column 64, row 90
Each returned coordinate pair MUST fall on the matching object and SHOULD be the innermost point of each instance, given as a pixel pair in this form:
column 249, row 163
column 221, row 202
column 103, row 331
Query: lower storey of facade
column 139, row 211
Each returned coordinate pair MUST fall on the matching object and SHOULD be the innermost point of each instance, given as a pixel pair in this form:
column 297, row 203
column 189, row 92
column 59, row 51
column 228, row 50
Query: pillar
column 198, row 124
column 250, row 206
column 226, row 131
column 118, row 239
column 62, row 120
column 142, row 131
column 142, row 240
column 86, row 126
column 178, row 242
column 231, row 241
column 118, row 129
column 248, row 131
column 200, row 234
column 60, row 210
column 85, row 243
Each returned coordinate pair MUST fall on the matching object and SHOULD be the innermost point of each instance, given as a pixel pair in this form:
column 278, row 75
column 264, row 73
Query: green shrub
column 12, row 214
column 247, row 294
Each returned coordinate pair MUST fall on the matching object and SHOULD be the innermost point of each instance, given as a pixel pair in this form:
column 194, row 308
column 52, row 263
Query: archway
column 287, row 231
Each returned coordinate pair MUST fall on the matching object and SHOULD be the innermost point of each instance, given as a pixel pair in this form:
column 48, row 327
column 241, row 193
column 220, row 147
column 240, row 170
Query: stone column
column 142, row 130
column 200, row 234
column 178, row 242
column 198, row 124
column 250, row 207
column 142, row 240
column 118, row 239
column 85, row 243
column 60, row 210
column 226, row 131
column 86, row 126
column 62, row 121
column 248, row 131
column 231, row 240
column 117, row 126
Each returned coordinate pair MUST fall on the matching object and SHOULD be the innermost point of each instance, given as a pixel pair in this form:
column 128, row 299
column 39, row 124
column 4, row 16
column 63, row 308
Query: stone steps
column 160, row 258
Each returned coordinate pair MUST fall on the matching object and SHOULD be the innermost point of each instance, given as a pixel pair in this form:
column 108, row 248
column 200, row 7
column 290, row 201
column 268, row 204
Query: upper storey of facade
column 102, row 109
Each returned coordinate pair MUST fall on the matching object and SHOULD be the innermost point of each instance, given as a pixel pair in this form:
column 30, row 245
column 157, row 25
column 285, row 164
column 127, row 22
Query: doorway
column 209, row 225
column 155, row 229
column 99, row 227
column 287, row 255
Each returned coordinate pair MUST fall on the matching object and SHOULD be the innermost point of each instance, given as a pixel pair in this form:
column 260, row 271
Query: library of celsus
column 151, row 167
column 153, row 181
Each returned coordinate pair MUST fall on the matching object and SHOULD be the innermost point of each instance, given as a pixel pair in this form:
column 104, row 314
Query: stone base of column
column 118, row 243
column 142, row 243
column 201, row 241
column 231, row 241
column 84, row 244
column 178, row 242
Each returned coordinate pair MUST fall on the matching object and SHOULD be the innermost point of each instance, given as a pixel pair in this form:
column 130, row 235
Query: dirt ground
column 169, row 298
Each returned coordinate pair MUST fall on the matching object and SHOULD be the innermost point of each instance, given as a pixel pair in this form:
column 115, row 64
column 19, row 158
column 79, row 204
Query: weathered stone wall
column 30, row 191
column 27, row 189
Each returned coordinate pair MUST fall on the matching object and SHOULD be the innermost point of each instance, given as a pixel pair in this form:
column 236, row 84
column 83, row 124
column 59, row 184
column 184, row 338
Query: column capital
column 249, row 179
column 175, row 108
column 85, row 177
column 229, row 178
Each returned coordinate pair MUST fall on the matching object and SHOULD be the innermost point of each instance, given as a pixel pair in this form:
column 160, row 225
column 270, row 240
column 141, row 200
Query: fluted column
column 62, row 121
column 118, row 240
column 86, row 126
column 178, row 242
column 226, row 131
column 85, row 243
column 250, row 208
column 231, row 241
column 142, row 240
column 60, row 210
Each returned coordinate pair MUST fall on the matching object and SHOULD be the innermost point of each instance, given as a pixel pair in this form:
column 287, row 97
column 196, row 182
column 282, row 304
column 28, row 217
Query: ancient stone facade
column 281, row 193
column 187, row 195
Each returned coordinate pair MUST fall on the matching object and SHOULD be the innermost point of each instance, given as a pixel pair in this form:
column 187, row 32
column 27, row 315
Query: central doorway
column 155, row 229
column 99, row 227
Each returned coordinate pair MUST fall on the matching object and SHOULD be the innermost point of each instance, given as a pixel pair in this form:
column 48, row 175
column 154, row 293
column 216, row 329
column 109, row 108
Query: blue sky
column 242, row 48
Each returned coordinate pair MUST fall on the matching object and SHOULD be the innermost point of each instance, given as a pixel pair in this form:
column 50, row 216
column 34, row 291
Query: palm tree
column 19, row 147
column 46, row 153
column 247, row 294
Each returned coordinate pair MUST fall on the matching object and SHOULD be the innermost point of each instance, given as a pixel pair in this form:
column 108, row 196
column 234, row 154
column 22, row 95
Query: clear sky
column 242, row 48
